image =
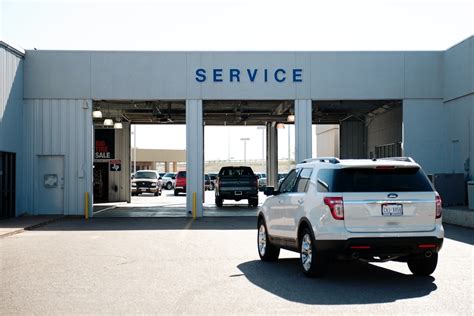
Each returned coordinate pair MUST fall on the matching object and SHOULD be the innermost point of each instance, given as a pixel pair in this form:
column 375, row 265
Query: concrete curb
column 31, row 227
column 459, row 217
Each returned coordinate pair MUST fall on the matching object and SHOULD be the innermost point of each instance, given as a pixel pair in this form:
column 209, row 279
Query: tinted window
column 373, row 180
column 289, row 183
column 303, row 180
column 146, row 175
column 236, row 171
column 181, row 174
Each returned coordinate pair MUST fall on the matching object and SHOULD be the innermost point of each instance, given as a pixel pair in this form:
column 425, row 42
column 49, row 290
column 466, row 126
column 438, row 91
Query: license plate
column 392, row 209
column 238, row 192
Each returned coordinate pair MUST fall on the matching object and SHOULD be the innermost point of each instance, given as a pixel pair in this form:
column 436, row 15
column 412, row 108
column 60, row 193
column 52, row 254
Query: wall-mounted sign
column 115, row 165
column 104, row 144
column 278, row 75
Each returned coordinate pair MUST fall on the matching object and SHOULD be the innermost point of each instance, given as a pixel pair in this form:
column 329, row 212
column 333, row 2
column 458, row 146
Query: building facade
column 47, row 99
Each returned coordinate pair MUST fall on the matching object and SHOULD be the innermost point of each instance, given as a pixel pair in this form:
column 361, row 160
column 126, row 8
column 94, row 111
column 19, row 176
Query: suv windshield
column 373, row 180
column 145, row 175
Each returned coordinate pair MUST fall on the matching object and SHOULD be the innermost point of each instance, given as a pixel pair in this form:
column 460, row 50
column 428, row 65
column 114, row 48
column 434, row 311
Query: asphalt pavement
column 211, row 266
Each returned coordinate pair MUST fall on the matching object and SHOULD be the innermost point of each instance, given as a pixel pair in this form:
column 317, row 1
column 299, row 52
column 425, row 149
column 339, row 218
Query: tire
column 266, row 250
column 157, row 193
column 422, row 266
column 169, row 186
column 313, row 263
column 176, row 193
column 219, row 201
column 253, row 202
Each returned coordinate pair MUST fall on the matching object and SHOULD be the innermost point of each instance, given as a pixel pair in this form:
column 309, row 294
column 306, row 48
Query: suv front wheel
column 266, row 250
column 313, row 264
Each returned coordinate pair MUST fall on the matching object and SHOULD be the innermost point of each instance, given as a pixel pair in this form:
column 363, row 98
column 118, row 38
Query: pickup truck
column 236, row 183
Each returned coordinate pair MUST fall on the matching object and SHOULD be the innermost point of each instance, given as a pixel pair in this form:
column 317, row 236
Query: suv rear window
column 181, row 174
column 373, row 180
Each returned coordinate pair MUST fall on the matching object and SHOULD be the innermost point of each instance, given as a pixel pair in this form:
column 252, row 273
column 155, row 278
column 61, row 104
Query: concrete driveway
column 177, row 266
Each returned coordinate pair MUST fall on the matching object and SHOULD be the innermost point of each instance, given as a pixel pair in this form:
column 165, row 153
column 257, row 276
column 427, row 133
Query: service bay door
column 51, row 185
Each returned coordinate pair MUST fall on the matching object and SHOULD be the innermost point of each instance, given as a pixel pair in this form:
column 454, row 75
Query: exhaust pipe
column 355, row 255
column 428, row 254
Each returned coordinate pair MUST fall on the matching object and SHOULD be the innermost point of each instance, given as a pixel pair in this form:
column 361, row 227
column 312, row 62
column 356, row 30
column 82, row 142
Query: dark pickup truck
column 236, row 183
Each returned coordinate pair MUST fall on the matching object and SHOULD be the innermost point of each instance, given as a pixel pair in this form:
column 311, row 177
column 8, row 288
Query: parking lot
column 169, row 205
column 181, row 266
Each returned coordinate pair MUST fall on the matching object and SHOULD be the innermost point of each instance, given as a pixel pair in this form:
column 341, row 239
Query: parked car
column 370, row 210
column 213, row 176
column 207, row 183
column 262, row 180
column 180, row 184
column 146, row 181
column 236, row 183
column 169, row 180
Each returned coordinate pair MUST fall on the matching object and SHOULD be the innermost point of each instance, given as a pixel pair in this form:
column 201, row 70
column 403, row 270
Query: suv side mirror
column 269, row 191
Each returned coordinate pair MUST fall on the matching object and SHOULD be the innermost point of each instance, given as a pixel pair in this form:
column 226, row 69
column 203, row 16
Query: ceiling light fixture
column 280, row 125
column 290, row 118
column 108, row 122
column 118, row 125
column 97, row 114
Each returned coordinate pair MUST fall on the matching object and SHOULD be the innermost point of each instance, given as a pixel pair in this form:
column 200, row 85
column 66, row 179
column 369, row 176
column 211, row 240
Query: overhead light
column 280, row 125
column 290, row 118
column 108, row 122
column 97, row 114
column 118, row 125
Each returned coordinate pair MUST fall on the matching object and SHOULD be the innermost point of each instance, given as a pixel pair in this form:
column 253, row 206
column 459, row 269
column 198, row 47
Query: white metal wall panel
column 425, row 131
column 459, row 70
column 171, row 75
column 58, row 127
column 11, row 110
column 303, row 125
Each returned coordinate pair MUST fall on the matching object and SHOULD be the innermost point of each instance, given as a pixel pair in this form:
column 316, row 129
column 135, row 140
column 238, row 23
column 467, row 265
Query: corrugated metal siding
column 353, row 140
column 11, row 100
column 59, row 127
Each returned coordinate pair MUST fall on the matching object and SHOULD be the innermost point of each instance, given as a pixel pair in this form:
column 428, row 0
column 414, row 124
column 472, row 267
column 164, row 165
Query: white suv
column 361, row 209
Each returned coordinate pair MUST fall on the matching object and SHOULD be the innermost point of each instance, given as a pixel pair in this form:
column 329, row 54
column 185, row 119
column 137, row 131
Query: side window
column 303, row 180
column 325, row 180
column 289, row 182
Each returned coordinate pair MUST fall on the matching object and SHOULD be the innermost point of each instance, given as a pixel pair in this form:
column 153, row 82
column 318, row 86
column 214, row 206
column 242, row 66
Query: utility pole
column 245, row 139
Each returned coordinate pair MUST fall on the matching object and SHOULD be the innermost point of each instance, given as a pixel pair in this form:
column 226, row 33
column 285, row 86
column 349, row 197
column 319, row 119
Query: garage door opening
column 255, row 134
column 358, row 128
column 137, row 157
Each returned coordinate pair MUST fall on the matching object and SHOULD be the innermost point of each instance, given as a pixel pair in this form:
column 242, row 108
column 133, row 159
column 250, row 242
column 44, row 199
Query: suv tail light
column 439, row 203
column 336, row 205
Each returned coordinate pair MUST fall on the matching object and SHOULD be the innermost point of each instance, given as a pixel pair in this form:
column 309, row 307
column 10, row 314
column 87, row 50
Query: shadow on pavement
column 151, row 223
column 458, row 233
column 345, row 283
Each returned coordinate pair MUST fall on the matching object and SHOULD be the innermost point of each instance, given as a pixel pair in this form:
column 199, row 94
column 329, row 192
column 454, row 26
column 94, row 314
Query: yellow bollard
column 194, row 205
column 86, row 205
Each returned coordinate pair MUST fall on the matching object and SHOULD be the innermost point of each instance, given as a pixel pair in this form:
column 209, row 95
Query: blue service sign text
column 249, row 75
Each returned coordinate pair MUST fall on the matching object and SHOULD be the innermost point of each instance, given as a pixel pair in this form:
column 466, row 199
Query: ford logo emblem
column 392, row 195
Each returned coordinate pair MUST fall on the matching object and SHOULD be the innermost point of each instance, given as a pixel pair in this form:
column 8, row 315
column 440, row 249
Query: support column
column 167, row 166
column 303, row 123
column 272, row 155
column 175, row 166
column 194, row 156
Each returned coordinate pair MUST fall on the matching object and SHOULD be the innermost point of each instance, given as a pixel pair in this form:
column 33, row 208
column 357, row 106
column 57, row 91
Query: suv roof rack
column 406, row 159
column 333, row 160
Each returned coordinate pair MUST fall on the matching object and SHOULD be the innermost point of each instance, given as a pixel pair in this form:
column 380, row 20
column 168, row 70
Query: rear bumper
column 386, row 246
column 180, row 188
column 231, row 195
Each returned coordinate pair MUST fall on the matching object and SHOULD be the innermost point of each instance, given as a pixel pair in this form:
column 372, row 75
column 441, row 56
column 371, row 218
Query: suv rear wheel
column 313, row 264
column 253, row 202
column 423, row 266
column 266, row 250
column 219, row 201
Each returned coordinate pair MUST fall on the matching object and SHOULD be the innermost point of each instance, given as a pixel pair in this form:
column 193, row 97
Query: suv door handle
column 300, row 201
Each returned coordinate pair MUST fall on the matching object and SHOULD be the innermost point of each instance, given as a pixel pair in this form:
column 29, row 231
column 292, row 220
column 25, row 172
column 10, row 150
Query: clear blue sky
column 234, row 25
